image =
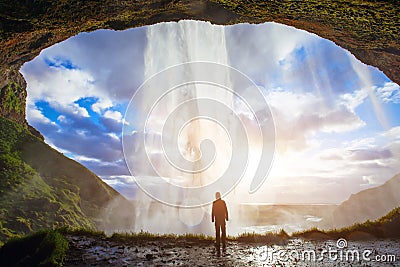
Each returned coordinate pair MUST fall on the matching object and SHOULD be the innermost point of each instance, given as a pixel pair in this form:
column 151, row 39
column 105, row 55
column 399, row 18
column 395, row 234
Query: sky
column 336, row 119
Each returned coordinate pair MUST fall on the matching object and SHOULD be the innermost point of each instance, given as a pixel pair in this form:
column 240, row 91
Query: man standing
column 218, row 215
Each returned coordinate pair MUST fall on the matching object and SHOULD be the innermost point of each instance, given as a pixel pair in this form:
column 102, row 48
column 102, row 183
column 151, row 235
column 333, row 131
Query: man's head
column 217, row 195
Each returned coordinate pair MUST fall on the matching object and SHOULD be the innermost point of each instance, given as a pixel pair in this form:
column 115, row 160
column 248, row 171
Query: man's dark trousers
column 220, row 229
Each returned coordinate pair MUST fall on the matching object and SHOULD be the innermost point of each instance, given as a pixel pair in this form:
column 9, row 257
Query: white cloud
column 101, row 105
column 113, row 135
column 112, row 60
column 389, row 93
column 369, row 154
column 353, row 100
column 114, row 115
column 393, row 133
column 62, row 118
column 34, row 115
column 299, row 116
column 370, row 180
column 83, row 158
column 63, row 86
column 120, row 179
column 361, row 143
column 75, row 109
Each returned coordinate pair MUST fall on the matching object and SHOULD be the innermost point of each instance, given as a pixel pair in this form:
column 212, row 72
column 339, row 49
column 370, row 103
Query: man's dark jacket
column 219, row 212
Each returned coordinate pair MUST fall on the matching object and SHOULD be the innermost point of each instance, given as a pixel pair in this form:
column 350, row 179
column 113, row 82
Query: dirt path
column 91, row 251
column 95, row 251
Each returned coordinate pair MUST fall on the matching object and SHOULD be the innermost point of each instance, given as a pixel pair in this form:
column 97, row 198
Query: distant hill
column 369, row 204
column 41, row 188
column 387, row 226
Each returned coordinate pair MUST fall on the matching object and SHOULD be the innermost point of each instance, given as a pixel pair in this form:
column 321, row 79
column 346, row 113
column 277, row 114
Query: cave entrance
column 334, row 116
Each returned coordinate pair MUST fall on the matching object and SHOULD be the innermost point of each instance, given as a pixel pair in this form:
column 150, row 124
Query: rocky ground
column 97, row 251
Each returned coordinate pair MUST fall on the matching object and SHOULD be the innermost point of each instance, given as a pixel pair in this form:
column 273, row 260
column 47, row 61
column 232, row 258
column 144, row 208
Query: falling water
column 169, row 44
column 173, row 43
column 272, row 65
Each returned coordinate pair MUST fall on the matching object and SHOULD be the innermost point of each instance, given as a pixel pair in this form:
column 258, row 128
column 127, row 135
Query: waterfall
column 170, row 44
column 173, row 43
column 185, row 137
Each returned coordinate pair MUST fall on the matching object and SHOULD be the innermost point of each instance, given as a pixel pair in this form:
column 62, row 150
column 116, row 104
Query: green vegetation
column 10, row 99
column 79, row 231
column 13, row 170
column 386, row 227
column 268, row 238
column 74, row 16
column 28, row 201
column 42, row 189
column 43, row 248
column 370, row 21
column 49, row 247
column 129, row 236
column 146, row 236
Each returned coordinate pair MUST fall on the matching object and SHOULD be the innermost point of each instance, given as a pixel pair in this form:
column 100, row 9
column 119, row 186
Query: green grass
column 40, row 188
column 9, row 94
column 74, row 16
column 146, row 236
column 49, row 247
column 43, row 248
column 374, row 22
column 268, row 238
column 134, row 236
column 387, row 226
column 80, row 231
column 27, row 202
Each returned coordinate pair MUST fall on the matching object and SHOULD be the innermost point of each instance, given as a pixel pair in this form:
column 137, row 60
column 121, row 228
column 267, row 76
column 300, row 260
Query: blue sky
column 336, row 118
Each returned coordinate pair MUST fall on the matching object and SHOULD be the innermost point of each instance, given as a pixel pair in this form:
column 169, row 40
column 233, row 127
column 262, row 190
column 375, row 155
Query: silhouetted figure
column 218, row 215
